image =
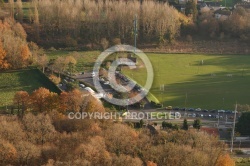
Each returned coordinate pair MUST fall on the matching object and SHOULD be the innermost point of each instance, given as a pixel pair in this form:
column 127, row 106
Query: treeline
column 77, row 22
column 239, row 24
column 243, row 125
column 235, row 26
column 52, row 139
column 14, row 50
column 44, row 101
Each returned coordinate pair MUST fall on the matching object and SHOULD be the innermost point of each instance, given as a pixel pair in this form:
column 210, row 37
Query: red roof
column 211, row 131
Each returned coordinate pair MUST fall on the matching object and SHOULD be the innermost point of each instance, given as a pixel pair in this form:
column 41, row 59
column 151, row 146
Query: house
column 210, row 131
column 131, row 58
column 214, row 5
column 245, row 4
column 201, row 5
column 180, row 6
column 222, row 14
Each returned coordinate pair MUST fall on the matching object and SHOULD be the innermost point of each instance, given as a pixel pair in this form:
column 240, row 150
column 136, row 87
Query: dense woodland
column 95, row 25
column 41, row 134
column 44, row 101
column 87, row 23
column 52, row 139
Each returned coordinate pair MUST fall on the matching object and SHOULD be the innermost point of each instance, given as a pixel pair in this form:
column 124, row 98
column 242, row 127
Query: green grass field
column 183, row 74
column 226, row 3
column 85, row 59
column 27, row 80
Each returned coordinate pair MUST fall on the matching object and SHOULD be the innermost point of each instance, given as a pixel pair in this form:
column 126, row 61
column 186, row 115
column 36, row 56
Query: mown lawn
column 27, row 80
column 206, row 86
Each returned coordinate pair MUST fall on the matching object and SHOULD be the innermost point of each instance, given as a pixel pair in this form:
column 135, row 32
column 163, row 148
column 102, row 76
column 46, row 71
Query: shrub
column 55, row 79
column 116, row 41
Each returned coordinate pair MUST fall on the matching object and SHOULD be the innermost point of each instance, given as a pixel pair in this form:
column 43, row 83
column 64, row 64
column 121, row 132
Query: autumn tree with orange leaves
column 91, row 104
column 63, row 102
column 225, row 160
column 44, row 101
column 14, row 50
column 150, row 163
column 3, row 61
column 39, row 100
column 74, row 100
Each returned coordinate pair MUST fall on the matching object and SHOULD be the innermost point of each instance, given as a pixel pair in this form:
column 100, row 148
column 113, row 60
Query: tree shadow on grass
column 219, row 91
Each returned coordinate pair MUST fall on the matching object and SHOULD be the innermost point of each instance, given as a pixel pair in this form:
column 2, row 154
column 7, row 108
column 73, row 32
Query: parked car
column 169, row 107
column 198, row 109
column 102, row 80
column 213, row 110
column 89, row 90
column 82, row 85
column 106, row 83
column 126, row 80
column 139, row 90
column 176, row 108
column 191, row 109
column 204, row 110
column 221, row 111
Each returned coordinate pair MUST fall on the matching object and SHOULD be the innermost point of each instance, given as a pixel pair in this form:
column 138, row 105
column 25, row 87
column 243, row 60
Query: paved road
column 193, row 114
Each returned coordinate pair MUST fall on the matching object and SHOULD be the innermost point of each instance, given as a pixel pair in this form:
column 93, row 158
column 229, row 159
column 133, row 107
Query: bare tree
column 42, row 61
column 19, row 8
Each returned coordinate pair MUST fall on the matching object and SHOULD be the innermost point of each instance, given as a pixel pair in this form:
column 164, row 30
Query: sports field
column 181, row 80
column 26, row 80
column 217, row 84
